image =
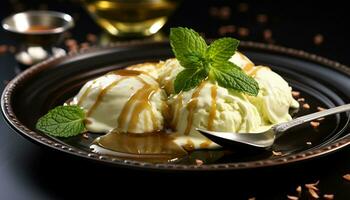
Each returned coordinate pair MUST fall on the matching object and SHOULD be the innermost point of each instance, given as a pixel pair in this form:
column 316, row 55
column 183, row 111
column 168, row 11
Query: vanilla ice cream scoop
column 215, row 108
column 211, row 107
column 275, row 96
column 128, row 100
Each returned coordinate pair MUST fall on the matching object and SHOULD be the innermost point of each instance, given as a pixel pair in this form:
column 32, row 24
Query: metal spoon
column 265, row 139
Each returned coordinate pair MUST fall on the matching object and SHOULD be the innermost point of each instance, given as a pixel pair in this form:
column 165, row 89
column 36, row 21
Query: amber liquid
column 153, row 147
column 131, row 17
column 38, row 28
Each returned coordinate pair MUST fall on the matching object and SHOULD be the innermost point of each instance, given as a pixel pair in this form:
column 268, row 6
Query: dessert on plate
column 154, row 107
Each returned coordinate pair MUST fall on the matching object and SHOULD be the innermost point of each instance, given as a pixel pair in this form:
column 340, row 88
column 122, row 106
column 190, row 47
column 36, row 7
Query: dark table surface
column 28, row 171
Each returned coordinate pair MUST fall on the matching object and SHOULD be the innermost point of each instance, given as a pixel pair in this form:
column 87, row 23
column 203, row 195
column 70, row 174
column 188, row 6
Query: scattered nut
column 314, row 124
column 306, row 106
column 84, row 45
column 220, row 12
column 320, row 108
column 3, row 48
column 223, row 30
column 313, row 193
column 199, row 162
column 318, row 39
column 295, row 94
column 261, row 18
column 267, row 34
column 91, row 38
column 290, row 197
column 328, row 196
column 242, row 31
column 312, row 185
column 225, row 12
column 276, row 153
column 71, row 43
column 347, row 177
column 301, row 100
column 86, row 136
column 299, row 190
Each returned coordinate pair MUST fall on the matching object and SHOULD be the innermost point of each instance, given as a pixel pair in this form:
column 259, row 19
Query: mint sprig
column 62, row 121
column 202, row 61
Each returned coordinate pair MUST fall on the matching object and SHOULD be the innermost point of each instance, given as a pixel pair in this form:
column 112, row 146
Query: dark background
column 30, row 172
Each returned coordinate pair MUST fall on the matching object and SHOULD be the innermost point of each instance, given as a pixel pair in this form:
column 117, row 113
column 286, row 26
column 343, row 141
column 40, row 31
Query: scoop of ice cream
column 131, row 101
column 275, row 96
column 234, row 111
column 211, row 107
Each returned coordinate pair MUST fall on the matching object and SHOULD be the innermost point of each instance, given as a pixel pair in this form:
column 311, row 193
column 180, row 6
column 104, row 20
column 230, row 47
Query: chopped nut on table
column 290, row 197
column 328, row 196
column 306, row 106
column 276, row 153
column 295, row 94
column 199, row 162
column 313, row 193
column 320, row 108
column 347, row 177
column 314, row 124
column 299, row 190
column 301, row 99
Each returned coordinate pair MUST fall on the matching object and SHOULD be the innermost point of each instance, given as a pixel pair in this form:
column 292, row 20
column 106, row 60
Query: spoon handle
column 306, row 118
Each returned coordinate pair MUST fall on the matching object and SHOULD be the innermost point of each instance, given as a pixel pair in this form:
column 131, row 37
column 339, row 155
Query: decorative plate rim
column 11, row 118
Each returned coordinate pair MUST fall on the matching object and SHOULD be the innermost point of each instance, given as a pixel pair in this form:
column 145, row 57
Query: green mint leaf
column 222, row 49
column 188, row 46
column 62, row 121
column 230, row 77
column 188, row 79
column 201, row 61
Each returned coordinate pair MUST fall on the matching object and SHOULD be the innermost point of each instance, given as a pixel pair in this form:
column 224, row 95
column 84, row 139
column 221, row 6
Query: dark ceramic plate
column 321, row 82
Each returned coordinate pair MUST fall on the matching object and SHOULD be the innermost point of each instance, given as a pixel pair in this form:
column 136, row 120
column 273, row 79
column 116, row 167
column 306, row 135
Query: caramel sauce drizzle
column 126, row 72
column 205, row 144
column 101, row 95
column 255, row 70
column 192, row 105
column 212, row 108
column 177, row 111
column 86, row 92
column 140, row 99
column 248, row 67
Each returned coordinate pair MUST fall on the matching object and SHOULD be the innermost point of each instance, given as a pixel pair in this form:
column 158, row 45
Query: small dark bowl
column 41, row 28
